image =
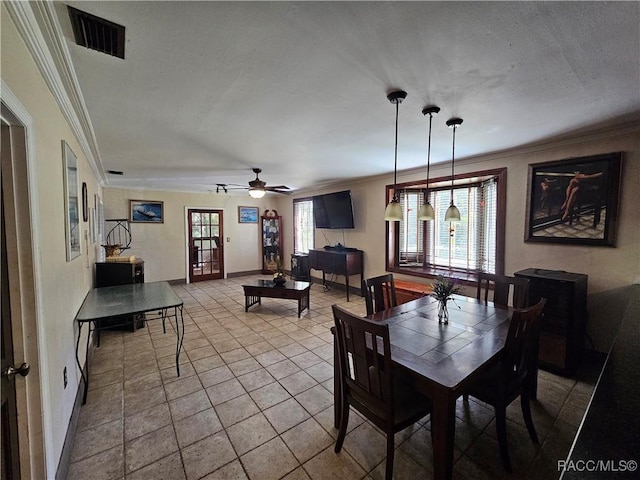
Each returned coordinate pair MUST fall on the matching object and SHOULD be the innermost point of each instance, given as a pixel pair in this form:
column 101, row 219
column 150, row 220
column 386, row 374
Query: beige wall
column 608, row 268
column 164, row 246
column 61, row 285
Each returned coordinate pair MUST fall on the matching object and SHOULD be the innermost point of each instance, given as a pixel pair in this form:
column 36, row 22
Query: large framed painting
column 71, row 204
column 574, row 201
column 146, row 211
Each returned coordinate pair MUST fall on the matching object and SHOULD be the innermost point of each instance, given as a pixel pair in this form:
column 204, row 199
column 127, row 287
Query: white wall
column 163, row 247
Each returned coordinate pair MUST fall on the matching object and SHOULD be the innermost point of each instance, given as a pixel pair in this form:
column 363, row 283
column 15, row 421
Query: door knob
column 22, row 370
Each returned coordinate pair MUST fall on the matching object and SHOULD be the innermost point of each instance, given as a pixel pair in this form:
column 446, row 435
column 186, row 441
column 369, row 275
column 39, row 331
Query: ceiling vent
column 97, row 33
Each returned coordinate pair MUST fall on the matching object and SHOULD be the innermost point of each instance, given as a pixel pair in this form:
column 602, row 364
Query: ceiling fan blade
column 277, row 190
column 277, row 187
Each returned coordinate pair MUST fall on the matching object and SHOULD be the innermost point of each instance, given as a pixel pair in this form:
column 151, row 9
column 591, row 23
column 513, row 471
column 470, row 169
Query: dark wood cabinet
column 300, row 267
column 342, row 261
column 564, row 324
column 109, row 274
column 119, row 273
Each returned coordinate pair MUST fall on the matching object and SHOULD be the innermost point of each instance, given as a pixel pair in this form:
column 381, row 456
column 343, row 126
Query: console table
column 339, row 262
column 122, row 301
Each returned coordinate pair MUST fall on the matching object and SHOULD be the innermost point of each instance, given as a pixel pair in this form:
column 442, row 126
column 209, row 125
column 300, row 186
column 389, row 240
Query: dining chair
column 508, row 379
column 379, row 293
column 501, row 285
column 369, row 382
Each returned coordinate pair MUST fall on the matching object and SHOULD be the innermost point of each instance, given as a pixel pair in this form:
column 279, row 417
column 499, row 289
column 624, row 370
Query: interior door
column 206, row 248
column 10, row 467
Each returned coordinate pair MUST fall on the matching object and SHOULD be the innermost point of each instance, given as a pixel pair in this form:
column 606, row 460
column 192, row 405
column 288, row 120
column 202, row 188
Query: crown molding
column 37, row 24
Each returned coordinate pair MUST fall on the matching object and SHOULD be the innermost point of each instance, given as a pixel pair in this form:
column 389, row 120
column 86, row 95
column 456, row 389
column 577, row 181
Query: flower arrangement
column 444, row 288
column 278, row 275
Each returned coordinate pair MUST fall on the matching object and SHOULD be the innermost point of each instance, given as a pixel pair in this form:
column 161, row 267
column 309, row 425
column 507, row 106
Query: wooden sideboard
column 338, row 261
column 563, row 328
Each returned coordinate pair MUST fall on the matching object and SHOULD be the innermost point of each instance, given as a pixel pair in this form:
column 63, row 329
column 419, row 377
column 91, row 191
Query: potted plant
column 443, row 289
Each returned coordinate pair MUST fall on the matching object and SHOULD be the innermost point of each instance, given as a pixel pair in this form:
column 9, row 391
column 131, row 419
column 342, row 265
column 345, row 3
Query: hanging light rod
column 393, row 212
column 425, row 212
column 453, row 214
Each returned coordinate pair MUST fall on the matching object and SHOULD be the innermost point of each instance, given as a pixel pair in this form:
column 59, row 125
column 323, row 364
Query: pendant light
column 393, row 212
column 425, row 212
column 453, row 214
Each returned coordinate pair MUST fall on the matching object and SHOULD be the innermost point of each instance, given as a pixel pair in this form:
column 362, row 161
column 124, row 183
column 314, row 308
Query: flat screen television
column 333, row 210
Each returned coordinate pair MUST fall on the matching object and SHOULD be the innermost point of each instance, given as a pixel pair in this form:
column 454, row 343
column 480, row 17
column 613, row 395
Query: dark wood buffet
column 338, row 261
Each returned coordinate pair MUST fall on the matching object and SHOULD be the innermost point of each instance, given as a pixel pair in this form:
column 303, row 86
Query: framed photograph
column 71, row 204
column 574, row 201
column 247, row 214
column 146, row 211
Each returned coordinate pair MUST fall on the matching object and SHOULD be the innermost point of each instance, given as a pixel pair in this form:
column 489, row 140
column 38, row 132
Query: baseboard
column 242, row 274
column 69, row 439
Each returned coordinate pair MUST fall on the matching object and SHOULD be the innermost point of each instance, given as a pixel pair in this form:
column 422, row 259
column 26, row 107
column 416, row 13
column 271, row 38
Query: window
column 303, row 233
column 474, row 244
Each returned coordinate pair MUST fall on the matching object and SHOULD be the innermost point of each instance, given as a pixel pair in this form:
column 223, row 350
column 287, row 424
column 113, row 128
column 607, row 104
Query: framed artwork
column 99, row 223
column 71, row 204
column 574, row 201
column 247, row 214
column 85, row 204
column 146, row 211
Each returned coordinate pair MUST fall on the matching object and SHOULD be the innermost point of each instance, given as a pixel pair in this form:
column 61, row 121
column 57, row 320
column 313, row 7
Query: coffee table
column 255, row 290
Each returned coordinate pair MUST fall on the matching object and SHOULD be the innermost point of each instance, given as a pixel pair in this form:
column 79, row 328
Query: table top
column 446, row 355
column 108, row 302
column 288, row 285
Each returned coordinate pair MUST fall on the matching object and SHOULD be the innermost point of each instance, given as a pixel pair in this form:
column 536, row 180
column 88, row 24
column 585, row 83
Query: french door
column 206, row 248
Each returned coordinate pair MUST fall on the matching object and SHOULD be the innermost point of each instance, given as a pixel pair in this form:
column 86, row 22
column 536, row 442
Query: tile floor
column 254, row 401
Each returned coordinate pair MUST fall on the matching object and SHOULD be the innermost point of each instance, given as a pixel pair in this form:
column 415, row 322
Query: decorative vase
column 279, row 279
column 443, row 312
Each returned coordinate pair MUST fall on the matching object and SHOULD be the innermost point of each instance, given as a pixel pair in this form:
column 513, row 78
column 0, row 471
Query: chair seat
column 494, row 386
column 410, row 406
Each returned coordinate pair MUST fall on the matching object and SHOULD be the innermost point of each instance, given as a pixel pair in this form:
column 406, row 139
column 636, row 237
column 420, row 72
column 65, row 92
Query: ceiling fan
column 257, row 188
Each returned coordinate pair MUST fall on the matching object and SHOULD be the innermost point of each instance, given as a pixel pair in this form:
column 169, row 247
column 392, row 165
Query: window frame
column 461, row 180
column 295, row 224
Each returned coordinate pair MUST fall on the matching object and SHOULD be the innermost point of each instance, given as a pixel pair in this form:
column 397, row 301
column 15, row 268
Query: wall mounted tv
column 333, row 210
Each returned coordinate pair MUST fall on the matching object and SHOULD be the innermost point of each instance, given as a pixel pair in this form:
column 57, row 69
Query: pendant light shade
column 425, row 212
column 453, row 214
column 393, row 212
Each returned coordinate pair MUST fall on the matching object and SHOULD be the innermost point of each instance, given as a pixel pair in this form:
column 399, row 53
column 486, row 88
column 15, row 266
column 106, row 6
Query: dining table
column 442, row 360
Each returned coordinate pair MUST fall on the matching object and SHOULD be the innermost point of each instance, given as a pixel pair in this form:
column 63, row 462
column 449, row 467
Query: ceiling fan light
column 257, row 192
column 453, row 214
column 425, row 212
column 393, row 212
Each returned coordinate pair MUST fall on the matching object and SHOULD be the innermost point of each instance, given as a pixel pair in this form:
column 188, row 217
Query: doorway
column 19, row 296
column 206, row 248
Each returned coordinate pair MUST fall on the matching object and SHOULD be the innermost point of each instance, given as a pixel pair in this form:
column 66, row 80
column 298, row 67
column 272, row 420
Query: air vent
column 97, row 33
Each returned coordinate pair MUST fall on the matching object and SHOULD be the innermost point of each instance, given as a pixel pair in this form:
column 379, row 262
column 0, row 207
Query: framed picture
column 574, row 201
column 85, row 204
column 247, row 214
column 71, row 204
column 146, row 211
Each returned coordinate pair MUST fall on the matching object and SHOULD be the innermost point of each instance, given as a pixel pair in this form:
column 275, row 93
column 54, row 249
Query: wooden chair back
column 364, row 356
column 379, row 293
column 520, row 348
column 502, row 289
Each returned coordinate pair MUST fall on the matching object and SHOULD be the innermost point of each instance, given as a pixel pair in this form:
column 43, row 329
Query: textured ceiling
column 209, row 90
